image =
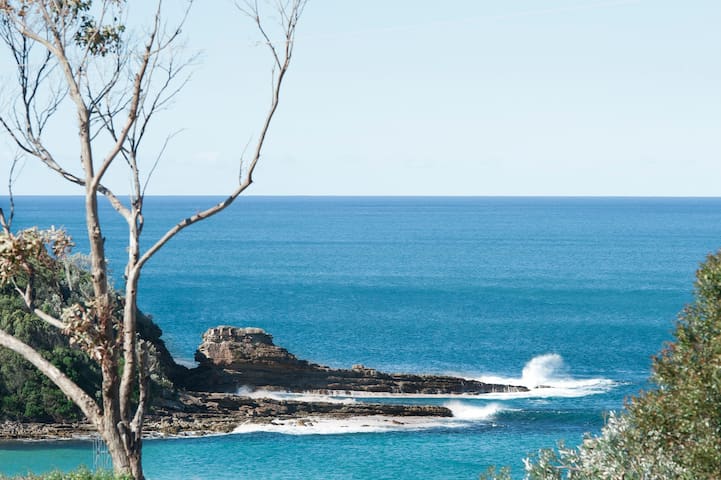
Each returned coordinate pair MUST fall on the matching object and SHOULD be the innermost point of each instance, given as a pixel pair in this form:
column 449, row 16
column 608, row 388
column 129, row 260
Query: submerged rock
column 230, row 358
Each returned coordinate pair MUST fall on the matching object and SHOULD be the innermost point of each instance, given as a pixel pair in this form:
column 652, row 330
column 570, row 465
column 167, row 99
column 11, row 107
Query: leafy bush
column 25, row 393
column 671, row 432
column 28, row 395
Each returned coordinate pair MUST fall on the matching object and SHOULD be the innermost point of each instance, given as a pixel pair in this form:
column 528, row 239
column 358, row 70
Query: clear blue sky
column 414, row 97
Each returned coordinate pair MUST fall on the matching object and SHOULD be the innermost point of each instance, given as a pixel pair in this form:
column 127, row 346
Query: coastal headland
column 238, row 371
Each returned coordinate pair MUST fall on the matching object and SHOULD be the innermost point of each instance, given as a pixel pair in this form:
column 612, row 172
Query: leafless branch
column 7, row 224
column 95, row 99
column 157, row 160
column 15, row 138
column 134, row 104
column 50, row 319
column 28, row 296
column 241, row 163
column 289, row 26
column 163, row 97
column 143, row 359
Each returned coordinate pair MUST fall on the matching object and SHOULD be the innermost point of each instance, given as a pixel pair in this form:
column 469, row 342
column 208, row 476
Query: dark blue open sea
column 575, row 293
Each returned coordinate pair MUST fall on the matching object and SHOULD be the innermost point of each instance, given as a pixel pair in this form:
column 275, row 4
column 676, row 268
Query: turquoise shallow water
column 579, row 291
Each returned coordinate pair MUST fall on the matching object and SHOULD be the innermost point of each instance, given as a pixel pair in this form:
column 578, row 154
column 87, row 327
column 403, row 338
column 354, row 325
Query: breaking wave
column 548, row 376
column 463, row 411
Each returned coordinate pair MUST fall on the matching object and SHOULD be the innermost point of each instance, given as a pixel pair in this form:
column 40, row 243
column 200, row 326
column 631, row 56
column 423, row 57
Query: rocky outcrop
column 202, row 413
column 231, row 357
column 240, row 348
column 222, row 413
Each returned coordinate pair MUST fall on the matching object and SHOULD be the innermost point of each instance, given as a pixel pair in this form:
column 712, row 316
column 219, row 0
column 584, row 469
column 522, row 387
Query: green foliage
column 682, row 418
column 99, row 39
column 82, row 473
column 97, row 28
column 496, row 474
column 25, row 393
column 59, row 281
column 673, row 431
column 620, row 452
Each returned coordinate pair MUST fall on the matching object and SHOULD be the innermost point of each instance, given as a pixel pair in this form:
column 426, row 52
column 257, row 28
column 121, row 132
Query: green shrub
column 28, row 395
column 670, row 432
column 25, row 393
column 82, row 473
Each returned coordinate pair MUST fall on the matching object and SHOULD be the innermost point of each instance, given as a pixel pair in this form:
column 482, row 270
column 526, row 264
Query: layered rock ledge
column 207, row 399
column 230, row 358
column 203, row 413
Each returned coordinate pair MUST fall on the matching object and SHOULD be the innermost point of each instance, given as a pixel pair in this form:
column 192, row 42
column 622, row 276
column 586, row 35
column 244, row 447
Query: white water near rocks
column 546, row 375
column 463, row 413
column 481, row 287
column 336, row 426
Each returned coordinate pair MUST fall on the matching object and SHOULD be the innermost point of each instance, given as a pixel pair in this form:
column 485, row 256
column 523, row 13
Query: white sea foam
column 298, row 397
column 547, row 376
column 463, row 411
column 543, row 369
column 337, row 426
column 463, row 414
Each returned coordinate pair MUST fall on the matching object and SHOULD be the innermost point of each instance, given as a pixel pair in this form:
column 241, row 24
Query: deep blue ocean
column 573, row 293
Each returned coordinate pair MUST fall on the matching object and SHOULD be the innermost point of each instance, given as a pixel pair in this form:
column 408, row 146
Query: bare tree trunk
column 116, row 448
column 133, row 436
column 72, row 41
column 114, row 430
column 132, row 276
column 136, row 462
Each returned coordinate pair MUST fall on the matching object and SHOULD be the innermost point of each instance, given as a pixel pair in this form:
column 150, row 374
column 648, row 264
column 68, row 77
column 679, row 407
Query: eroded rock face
column 231, row 358
column 237, row 348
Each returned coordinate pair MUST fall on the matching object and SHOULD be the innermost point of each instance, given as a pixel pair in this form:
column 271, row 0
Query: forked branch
column 290, row 14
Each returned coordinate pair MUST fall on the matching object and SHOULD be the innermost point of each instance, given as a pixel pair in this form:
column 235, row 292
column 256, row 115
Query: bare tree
column 77, row 52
